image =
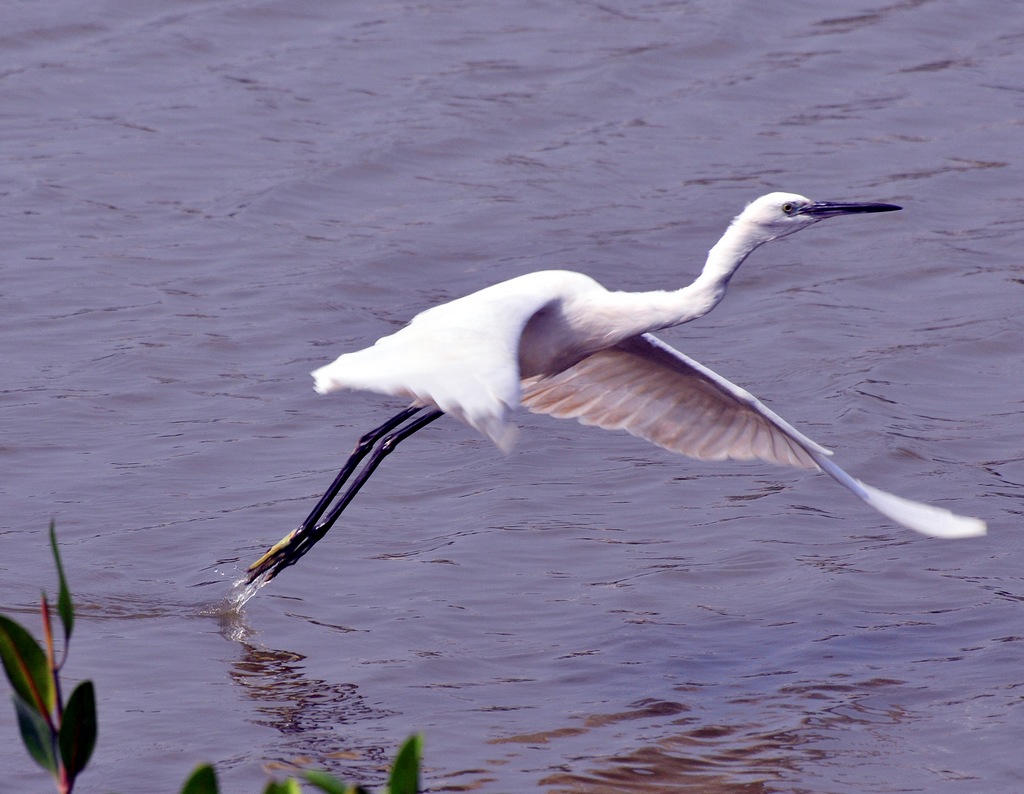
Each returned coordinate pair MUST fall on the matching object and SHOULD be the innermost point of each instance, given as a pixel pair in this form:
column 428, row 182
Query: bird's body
column 469, row 357
column 559, row 343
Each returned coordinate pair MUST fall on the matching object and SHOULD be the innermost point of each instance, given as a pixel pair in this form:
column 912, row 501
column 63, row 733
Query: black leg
column 363, row 446
column 385, row 448
column 381, row 441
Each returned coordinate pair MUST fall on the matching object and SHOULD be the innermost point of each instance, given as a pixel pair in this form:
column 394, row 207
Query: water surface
column 204, row 201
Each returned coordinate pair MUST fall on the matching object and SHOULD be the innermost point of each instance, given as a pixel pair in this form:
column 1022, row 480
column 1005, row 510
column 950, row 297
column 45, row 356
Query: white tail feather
column 936, row 522
column 926, row 519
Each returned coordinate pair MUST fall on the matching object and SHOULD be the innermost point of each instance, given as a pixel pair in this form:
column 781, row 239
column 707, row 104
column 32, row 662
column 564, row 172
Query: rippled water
column 203, row 201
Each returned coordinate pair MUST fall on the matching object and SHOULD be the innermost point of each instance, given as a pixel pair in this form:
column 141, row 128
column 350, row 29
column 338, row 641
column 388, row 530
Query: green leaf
column 405, row 773
column 331, row 784
column 78, row 729
column 289, row 786
column 37, row 735
column 26, row 667
column 65, row 608
column 203, row 780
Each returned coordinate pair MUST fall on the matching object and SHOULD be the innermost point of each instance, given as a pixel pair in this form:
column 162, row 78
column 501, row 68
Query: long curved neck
column 724, row 259
column 650, row 311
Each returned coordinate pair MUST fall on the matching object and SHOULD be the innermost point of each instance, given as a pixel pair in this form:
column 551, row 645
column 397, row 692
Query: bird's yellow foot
column 278, row 557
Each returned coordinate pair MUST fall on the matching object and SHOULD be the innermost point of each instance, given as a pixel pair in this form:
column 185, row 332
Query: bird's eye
column 788, row 208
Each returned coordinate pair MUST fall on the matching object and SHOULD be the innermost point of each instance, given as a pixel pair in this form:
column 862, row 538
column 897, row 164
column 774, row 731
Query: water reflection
column 309, row 713
column 805, row 724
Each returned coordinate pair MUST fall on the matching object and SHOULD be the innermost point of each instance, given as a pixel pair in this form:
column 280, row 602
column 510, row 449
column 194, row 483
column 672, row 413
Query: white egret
column 559, row 343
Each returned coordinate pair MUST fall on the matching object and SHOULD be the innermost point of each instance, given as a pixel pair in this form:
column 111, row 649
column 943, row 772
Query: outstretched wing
column 649, row 389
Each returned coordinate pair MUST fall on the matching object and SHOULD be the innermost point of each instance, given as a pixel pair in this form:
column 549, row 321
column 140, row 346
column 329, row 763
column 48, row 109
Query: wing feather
column 647, row 388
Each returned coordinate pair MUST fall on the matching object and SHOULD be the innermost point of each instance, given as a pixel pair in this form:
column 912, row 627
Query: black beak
column 829, row 209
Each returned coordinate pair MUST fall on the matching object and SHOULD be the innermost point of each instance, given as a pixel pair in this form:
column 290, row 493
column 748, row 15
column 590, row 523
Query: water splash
column 244, row 589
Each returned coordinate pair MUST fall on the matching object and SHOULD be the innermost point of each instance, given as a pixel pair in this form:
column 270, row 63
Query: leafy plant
column 404, row 778
column 61, row 736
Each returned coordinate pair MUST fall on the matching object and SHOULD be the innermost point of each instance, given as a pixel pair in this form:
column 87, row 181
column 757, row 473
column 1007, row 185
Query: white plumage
column 559, row 343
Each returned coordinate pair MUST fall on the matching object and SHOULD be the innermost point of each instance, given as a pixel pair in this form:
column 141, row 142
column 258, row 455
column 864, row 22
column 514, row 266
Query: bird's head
column 779, row 214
